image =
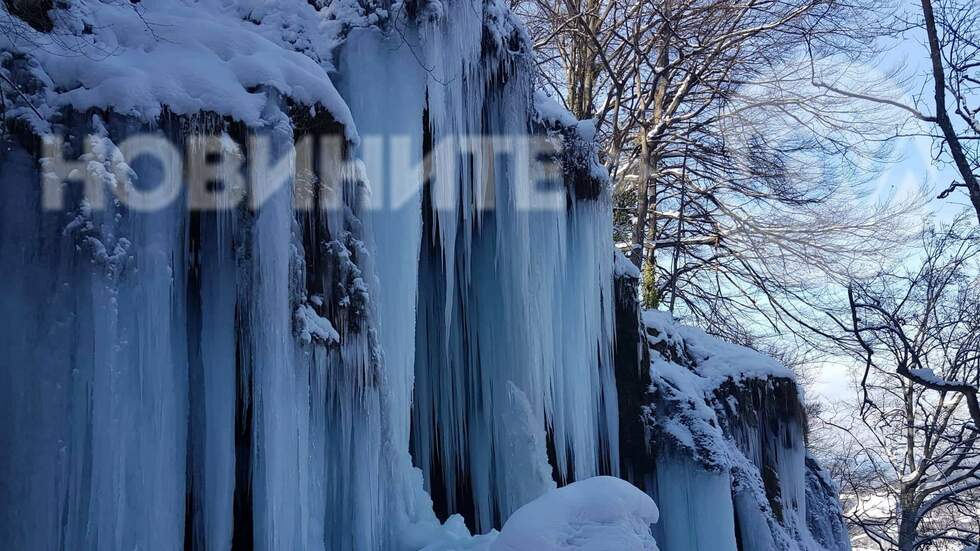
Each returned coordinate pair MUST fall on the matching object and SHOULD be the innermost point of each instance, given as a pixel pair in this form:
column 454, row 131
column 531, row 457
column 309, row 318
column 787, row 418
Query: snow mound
column 603, row 513
column 595, row 514
column 549, row 112
column 188, row 58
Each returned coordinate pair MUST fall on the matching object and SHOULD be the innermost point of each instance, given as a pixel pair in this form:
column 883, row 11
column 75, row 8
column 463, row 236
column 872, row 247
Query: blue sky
column 915, row 170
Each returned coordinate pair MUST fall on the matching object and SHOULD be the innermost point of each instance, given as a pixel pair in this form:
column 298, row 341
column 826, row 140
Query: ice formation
column 395, row 373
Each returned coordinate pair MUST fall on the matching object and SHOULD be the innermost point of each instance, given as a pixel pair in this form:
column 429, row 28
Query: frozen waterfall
column 428, row 352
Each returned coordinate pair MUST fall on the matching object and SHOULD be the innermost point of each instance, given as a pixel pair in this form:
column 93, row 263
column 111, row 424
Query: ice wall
column 269, row 378
column 513, row 328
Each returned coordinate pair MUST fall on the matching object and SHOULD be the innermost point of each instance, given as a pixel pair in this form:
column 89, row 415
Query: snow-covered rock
column 723, row 439
column 141, row 58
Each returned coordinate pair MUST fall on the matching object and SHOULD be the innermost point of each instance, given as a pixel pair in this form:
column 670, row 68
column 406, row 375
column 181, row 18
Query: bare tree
column 911, row 467
column 718, row 145
column 734, row 147
column 944, row 102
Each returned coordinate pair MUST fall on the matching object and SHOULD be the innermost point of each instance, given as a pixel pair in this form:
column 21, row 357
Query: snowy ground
column 597, row 514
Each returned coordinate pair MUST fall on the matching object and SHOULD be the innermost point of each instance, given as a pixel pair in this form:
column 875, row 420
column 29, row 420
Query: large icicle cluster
column 257, row 378
column 513, row 326
column 498, row 317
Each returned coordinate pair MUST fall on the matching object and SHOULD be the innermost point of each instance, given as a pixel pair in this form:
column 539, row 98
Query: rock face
column 724, row 440
column 270, row 374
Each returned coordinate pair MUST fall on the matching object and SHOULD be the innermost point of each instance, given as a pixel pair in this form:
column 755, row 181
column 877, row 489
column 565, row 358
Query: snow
column 556, row 119
column 313, row 326
column 717, row 360
column 730, row 447
column 596, row 514
column 336, row 377
column 548, row 111
column 928, row 376
column 601, row 513
column 622, row 266
column 186, row 57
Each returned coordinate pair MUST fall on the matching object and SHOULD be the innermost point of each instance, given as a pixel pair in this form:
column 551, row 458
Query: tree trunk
column 906, row 534
column 942, row 116
column 642, row 201
column 648, row 162
column 908, row 525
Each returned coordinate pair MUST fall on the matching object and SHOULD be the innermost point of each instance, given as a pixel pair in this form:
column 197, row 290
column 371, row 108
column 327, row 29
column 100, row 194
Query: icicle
column 176, row 397
column 110, row 438
column 509, row 298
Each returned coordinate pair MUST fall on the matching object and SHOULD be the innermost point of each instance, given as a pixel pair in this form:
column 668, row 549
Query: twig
column 22, row 95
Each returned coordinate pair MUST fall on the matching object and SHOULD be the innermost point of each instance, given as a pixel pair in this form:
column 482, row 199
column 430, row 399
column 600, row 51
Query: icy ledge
column 716, row 433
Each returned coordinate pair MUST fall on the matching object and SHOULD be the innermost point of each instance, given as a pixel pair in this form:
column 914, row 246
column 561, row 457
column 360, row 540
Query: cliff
column 385, row 346
column 717, row 436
